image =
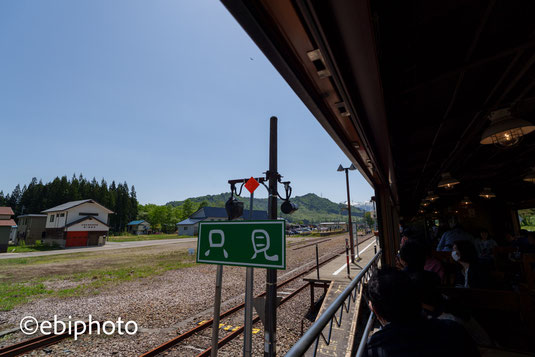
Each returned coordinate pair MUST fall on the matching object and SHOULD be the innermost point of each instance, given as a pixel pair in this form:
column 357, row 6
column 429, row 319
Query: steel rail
column 46, row 340
column 208, row 323
column 236, row 333
column 34, row 343
column 312, row 244
column 167, row 345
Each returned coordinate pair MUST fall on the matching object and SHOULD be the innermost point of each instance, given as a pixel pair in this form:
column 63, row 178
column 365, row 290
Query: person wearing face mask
column 405, row 332
column 472, row 273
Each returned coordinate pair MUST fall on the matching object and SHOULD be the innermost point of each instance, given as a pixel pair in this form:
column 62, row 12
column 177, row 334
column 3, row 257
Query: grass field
column 37, row 247
column 144, row 237
column 82, row 274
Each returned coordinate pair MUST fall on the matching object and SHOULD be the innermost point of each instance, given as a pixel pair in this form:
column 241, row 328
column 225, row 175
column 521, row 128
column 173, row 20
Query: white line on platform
column 345, row 264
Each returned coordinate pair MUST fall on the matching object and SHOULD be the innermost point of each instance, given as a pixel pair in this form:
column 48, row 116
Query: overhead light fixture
column 466, row 201
column 447, row 181
column 487, row 193
column 341, row 106
column 422, row 211
column 505, row 130
column 530, row 177
column 431, row 196
column 319, row 63
column 425, row 203
column 341, row 168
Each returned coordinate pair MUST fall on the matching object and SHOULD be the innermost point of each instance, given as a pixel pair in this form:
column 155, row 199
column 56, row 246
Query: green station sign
column 259, row 244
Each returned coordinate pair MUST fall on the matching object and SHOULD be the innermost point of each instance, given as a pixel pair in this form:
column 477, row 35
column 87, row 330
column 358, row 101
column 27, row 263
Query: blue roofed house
column 190, row 226
column 138, row 227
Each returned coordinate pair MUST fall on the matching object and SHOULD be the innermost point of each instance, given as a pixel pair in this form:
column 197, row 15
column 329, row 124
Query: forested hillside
column 312, row 208
column 38, row 196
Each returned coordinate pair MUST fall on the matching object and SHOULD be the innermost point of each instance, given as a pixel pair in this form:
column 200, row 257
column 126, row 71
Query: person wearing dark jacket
column 473, row 274
column 394, row 300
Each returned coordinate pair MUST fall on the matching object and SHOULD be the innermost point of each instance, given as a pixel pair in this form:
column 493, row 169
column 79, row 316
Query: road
column 186, row 242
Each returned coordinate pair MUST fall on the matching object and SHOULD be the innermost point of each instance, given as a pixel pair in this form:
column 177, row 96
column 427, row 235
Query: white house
column 77, row 223
column 190, row 226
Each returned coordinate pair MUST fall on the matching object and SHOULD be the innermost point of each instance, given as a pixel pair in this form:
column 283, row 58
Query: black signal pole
column 350, row 223
column 270, row 327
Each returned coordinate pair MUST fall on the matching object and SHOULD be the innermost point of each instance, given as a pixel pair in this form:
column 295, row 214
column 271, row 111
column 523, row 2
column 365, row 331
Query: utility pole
column 270, row 327
column 350, row 223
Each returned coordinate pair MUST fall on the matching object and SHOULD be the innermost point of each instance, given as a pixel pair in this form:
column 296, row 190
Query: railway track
column 237, row 332
column 47, row 340
column 35, row 343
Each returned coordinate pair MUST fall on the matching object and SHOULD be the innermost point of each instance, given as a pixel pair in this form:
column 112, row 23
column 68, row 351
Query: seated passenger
column 433, row 264
column 485, row 246
column 412, row 257
column 529, row 247
column 473, row 274
column 455, row 234
column 435, row 305
column 405, row 332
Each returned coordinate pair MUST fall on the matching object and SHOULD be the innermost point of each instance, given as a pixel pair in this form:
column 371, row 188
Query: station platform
column 334, row 278
column 336, row 270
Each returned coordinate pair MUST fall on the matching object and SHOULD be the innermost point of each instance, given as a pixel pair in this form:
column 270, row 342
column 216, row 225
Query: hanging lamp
column 487, row 193
column 431, row 196
column 505, row 130
column 466, row 201
column 530, row 177
column 447, row 181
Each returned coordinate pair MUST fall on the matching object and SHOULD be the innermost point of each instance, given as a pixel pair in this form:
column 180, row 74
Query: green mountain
column 312, row 208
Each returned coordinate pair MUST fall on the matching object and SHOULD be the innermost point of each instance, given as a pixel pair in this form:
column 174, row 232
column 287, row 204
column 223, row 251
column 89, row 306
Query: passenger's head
column 414, row 234
column 427, row 289
column 465, row 251
column 484, row 233
column 392, row 296
column 412, row 255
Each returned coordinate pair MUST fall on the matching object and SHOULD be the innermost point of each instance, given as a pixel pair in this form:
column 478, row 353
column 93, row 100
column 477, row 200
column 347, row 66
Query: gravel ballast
column 172, row 303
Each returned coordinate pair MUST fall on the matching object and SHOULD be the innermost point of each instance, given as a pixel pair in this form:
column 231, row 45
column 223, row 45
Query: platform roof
column 418, row 80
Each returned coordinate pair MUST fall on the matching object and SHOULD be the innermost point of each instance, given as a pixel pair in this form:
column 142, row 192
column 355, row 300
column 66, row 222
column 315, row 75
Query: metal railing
column 334, row 314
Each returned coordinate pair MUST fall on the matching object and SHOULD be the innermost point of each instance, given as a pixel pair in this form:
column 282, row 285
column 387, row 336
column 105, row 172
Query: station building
column 77, row 224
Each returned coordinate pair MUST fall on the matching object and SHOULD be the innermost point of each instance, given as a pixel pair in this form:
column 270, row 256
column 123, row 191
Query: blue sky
column 171, row 96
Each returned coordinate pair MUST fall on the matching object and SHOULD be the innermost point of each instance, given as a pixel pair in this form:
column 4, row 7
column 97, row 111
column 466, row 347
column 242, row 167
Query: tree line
column 164, row 218
column 37, row 196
